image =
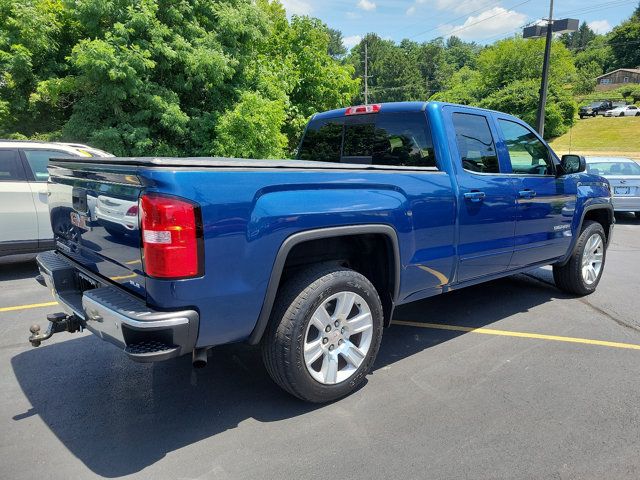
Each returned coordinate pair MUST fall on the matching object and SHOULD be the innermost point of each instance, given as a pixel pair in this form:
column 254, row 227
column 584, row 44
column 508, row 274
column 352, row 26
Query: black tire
column 568, row 277
column 621, row 114
column 283, row 342
column 581, row 117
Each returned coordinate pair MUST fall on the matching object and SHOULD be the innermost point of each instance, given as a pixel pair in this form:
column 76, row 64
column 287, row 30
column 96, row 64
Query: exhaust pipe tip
column 199, row 358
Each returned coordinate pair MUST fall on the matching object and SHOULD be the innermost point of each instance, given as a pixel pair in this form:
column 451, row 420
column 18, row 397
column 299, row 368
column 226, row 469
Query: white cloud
column 461, row 7
column 486, row 24
column 600, row 26
column 351, row 41
column 455, row 6
column 297, row 7
column 366, row 5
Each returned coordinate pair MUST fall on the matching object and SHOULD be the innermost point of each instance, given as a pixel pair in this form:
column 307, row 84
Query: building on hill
column 618, row 78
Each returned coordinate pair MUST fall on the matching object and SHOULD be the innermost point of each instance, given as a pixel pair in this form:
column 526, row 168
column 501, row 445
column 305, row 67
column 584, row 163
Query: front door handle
column 527, row 193
column 474, row 196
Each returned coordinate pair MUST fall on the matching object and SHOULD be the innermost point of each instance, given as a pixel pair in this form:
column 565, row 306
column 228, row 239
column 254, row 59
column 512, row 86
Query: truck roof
column 395, row 107
column 391, row 107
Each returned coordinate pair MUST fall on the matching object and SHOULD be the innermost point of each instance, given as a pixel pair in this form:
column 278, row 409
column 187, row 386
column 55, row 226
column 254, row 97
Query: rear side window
column 394, row 139
column 475, row 143
column 38, row 161
column 11, row 169
column 322, row 141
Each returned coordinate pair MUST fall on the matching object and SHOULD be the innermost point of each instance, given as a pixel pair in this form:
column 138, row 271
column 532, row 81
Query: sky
column 483, row 21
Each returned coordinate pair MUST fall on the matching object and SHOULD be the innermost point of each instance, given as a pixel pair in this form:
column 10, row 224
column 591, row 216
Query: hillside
column 601, row 136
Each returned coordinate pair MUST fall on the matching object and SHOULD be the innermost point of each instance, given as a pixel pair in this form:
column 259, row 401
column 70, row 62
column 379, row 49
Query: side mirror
column 572, row 164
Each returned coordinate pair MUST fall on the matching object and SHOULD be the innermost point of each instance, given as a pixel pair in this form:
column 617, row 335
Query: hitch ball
column 35, row 330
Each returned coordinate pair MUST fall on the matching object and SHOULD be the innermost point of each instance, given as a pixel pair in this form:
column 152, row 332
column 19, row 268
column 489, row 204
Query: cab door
column 486, row 197
column 17, row 211
column 545, row 202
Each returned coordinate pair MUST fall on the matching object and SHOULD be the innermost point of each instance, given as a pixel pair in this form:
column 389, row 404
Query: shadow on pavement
column 18, row 267
column 118, row 417
column 627, row 219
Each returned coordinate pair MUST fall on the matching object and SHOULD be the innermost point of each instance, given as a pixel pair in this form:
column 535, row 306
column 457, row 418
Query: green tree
column 507, row 78
column 336, row 46
column 580, row 38
column 395, row 76
column 624, row 41
column 159, row 77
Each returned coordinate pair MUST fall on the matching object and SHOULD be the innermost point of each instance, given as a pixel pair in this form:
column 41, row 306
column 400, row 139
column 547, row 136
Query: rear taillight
column 171, row 237
column 132, row 212
column 362, row 109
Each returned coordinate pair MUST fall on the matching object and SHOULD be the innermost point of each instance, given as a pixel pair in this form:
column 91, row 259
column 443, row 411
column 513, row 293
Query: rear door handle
column 474, row 196
column 527, row 193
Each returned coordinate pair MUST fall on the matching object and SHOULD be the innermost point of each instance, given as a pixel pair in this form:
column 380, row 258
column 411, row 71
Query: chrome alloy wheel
column 592, row 259
column 338, row 338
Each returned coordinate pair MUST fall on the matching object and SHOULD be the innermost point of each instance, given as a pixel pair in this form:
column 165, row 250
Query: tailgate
column 94, row 216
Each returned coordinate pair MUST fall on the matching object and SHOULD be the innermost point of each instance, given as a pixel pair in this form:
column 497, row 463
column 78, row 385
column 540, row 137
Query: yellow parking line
column 509, row 333
column 26, row 307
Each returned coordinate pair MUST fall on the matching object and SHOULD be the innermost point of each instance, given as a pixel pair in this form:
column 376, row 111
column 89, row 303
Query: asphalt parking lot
column 548, row 387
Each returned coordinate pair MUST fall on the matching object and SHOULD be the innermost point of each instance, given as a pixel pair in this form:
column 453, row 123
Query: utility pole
column 366, row 74
column 564, row 25
column 545, row 72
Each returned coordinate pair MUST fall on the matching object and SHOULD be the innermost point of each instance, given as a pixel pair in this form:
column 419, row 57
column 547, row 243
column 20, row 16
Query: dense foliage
column 231, row 77
column 238, row 78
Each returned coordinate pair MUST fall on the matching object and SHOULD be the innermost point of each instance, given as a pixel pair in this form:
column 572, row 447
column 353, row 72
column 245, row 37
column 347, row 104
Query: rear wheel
column 582, row 273
column 324, row 333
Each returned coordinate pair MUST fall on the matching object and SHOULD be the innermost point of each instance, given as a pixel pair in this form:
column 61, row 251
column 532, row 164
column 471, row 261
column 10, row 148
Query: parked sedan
column 624, row 176
column 624, row 111
column 24, row 213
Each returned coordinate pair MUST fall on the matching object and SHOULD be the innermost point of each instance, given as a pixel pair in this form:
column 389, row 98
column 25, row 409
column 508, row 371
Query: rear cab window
column 389, row 139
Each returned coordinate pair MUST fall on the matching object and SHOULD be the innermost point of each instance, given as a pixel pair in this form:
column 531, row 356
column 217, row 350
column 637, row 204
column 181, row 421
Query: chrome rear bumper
column 145, row 334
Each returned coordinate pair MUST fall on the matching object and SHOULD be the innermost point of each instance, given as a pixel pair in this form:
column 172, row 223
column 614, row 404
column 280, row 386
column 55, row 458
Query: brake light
column 171, row 237
column 132, row 212
column 362, row 109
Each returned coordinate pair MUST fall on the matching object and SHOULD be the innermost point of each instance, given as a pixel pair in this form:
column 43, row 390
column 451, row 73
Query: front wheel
column 582, row 273
column 324, row 333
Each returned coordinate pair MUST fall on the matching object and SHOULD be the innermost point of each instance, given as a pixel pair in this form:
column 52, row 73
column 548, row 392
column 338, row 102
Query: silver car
column 624, row 176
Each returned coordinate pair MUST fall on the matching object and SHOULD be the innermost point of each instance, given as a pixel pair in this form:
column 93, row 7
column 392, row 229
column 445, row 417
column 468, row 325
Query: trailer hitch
column 58, row 322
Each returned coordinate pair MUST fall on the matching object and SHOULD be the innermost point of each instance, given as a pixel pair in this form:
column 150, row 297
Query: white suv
column 24, row 216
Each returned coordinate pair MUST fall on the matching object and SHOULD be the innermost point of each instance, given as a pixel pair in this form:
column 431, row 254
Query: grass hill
column 601, row 136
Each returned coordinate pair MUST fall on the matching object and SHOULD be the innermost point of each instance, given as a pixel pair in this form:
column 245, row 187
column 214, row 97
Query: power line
column 455, row 19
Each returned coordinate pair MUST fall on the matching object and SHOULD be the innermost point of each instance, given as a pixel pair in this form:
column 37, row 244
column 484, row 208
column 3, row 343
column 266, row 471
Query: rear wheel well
column 369, row 254
column 603, row 216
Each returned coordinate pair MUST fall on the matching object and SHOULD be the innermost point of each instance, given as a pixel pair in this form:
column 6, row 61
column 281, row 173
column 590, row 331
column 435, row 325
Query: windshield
column 613, row 168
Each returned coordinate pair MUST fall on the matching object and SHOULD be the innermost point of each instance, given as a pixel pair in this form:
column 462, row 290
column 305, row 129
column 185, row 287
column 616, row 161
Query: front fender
column 591, row 196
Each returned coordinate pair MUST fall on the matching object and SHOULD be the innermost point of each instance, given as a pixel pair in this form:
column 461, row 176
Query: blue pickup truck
column 384, row 205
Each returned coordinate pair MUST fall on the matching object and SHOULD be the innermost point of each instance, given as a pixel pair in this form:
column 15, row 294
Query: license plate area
column 621, row 190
